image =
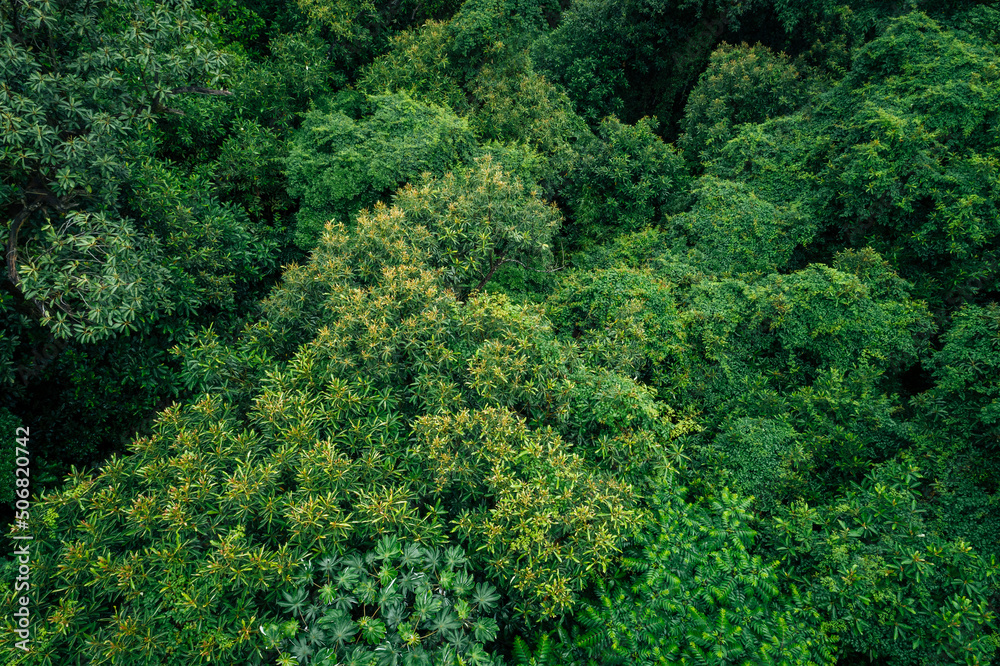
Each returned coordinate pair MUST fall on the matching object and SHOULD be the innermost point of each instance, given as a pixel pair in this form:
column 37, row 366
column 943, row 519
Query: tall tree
column 898, row 155
column 80, row 81
column 402, row 409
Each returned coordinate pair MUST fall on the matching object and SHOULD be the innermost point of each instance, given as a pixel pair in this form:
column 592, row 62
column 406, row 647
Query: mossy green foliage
column 730, row 230
column 897, row 155
column 742, row 84
column 627, row 180
column 477, row 64
column 338, row 165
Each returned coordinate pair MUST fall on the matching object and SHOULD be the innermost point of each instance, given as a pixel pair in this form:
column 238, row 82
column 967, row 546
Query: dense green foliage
column 502, row 331
column 897, row 156
column 626, row 181
column 339, row 166
column 892, row 587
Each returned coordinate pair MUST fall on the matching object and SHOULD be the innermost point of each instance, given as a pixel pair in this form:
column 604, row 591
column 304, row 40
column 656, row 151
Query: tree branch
column 15, row 227
column 534, row 270
column 493, row 269
column 199, row 90
column 13, row 281
column 27, row 308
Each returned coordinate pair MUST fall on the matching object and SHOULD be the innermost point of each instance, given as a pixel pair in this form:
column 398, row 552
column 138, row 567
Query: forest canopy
column 495, row 332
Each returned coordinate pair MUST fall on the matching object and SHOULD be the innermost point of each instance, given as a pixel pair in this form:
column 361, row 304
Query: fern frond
column 521, row 652
column 545, row 651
